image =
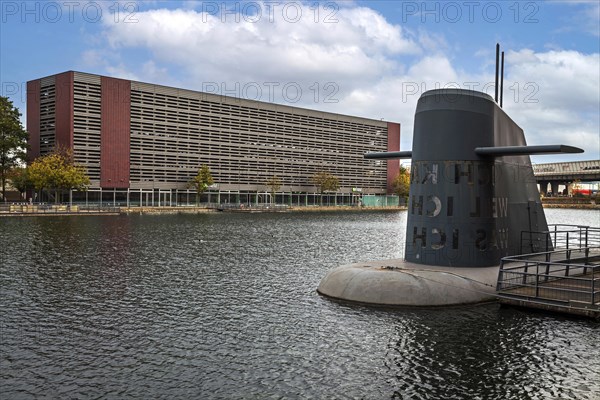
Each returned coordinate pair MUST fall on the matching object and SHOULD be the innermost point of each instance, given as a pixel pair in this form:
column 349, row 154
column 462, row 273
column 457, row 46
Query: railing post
column 593, row 287
column 587, row 249
column 537, row 276
column 500, row 275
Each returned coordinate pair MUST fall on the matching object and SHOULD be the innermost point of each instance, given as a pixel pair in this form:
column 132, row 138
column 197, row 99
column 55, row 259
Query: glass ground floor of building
column 188, row 197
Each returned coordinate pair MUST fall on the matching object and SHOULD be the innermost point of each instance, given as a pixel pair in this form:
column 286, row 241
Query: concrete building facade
column 149, row 140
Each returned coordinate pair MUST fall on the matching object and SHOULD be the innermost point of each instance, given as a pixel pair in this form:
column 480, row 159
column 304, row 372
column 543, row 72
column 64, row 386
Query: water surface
column 224, row 306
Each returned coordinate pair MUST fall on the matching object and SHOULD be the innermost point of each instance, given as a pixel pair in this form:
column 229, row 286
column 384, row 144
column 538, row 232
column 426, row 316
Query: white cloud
column 564, row 78
column 217, row 48
column 556, row 98
column 379, row 68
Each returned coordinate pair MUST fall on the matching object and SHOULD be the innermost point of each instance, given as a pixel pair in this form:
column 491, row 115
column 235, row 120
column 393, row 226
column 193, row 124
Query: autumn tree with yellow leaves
column 201, row 182
column 401, row 183
column 273, row 184
column 58, row 172
column 326, row 182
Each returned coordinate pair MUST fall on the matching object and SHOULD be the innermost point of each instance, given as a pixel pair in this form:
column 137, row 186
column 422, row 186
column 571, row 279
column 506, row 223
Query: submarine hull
column 397, row 282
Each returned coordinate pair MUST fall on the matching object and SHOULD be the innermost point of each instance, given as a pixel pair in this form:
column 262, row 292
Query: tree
column 401, row 183
column 201, row 181
column 274, row 184
column 326, row 182
column 58, row 171
column 19, row 178
column 13, row 140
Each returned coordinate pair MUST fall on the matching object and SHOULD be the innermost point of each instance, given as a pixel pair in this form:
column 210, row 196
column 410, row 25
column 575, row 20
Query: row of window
column 179, row 103
column 168, row 142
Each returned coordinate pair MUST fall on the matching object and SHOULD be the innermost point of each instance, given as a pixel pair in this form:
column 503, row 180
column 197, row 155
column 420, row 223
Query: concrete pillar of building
column 554, row 186
column 543, row 187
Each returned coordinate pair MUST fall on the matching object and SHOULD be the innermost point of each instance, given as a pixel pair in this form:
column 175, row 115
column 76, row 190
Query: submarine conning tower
column 473, row 199
column 467, row 205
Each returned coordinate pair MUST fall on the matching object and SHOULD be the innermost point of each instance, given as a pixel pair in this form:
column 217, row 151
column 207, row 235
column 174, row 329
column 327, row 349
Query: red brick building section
column 393, row 166
column 114, row 149
column 33, row 119
column 64, row 109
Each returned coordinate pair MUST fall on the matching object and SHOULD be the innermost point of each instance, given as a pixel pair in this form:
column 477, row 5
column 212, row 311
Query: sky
column 366, row 58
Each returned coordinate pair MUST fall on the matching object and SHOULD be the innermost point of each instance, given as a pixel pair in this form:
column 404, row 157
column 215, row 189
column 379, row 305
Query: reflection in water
column 224, row 306
column 487, row 352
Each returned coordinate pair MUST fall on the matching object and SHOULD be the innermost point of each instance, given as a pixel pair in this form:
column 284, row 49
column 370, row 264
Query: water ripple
column 224, row 306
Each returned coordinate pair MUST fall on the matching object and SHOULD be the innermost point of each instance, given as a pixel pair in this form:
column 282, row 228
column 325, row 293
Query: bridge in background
column 565, row 173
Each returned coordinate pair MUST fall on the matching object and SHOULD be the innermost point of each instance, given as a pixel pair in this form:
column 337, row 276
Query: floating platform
column 565, row 281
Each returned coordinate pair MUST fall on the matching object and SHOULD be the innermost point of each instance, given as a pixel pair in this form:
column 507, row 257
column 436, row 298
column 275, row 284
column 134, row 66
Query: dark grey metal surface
column 389, row 155
column 468, row 207
column 529, row 150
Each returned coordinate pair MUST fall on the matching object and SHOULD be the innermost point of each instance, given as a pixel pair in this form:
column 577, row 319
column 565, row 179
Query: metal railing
column 559, row 236
column 567, row 270
column 557, row 281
